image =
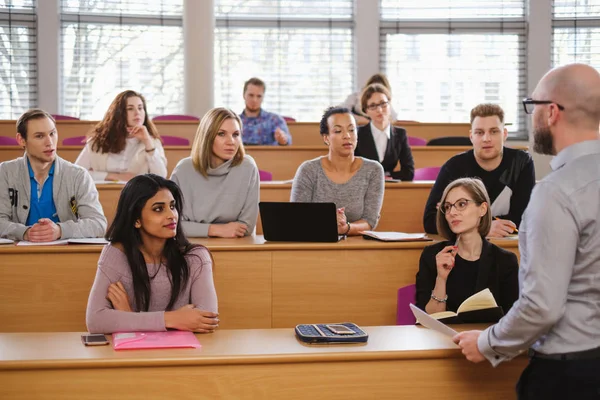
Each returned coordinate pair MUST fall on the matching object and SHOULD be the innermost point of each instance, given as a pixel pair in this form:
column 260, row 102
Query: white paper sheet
column 88, row 241
column 6, row 241
column 53, row 243
column 431, row 323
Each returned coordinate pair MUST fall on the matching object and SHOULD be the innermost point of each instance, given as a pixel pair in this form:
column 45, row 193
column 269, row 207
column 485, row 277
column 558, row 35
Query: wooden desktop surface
column 259, row 284
column 282, row 162
column 303, row 133
column 397, row 362
column 402, row 210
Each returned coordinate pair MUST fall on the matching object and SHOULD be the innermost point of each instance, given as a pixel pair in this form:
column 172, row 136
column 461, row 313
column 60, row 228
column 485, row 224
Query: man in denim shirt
column 259, row 126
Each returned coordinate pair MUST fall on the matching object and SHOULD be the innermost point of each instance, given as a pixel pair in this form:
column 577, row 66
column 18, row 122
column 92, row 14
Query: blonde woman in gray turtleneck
column 220, row 184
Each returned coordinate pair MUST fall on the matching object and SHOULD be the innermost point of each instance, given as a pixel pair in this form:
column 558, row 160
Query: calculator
column 345, row 332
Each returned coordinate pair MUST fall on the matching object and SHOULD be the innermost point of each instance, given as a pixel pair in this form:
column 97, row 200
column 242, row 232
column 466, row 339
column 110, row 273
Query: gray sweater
column 72, row 183
column 228, row 194
column 113, row 267
column 362, row 195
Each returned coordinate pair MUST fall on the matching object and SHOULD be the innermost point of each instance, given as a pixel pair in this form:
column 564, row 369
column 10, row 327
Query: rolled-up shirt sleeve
column 548, row 238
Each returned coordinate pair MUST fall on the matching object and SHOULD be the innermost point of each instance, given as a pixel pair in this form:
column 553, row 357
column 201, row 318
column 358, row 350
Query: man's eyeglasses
column 529, row 104
column 383, row 105
column 460, row 205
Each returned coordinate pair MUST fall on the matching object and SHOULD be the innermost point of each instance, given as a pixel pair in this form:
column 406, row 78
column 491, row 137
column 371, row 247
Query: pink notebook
column 154, row 340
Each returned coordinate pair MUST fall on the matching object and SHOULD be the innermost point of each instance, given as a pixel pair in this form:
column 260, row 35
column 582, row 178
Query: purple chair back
column 74, row 141
column 406, row 296
column 289, row 119
column 416, row 141
column 175, row 117
column 8, row 141
column 174, row 141
column 265, row 176
column 426, row 174
column 58, row 117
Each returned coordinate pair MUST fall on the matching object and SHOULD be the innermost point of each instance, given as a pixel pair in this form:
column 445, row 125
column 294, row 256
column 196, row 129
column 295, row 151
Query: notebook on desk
column 299, row 222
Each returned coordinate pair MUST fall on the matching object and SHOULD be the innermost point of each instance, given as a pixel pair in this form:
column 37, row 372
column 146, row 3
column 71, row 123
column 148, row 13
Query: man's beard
column 543, row 142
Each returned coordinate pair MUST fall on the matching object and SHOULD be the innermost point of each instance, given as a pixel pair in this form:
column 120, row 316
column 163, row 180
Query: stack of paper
column 395, row 236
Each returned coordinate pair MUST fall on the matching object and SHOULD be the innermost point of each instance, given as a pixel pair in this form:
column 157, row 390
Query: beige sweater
column 133, row 159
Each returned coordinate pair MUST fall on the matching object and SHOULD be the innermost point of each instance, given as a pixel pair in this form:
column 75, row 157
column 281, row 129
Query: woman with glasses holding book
column 466, row 263
column 379, row 140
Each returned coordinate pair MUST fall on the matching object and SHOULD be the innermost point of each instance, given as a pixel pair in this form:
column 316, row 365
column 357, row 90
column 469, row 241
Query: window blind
column 576, row 32
column 302, row 50
column 18, row 58
column 445, row 57
column 111, row 46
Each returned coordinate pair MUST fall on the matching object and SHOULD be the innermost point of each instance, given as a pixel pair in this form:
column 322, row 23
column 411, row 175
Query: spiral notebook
column 154, row 340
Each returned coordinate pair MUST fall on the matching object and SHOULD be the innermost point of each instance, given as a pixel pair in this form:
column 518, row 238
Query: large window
column 576, row 32
column 113, row 45
column 302, row 49
column 18, row 57
column 443, row 57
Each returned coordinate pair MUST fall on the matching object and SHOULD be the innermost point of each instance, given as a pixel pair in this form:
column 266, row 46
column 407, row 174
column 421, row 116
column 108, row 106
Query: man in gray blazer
column 43, row 197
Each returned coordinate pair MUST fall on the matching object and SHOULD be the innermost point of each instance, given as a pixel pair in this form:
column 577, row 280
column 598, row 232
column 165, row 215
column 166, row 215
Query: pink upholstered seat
column 416, row 141
column 74, row 141
column 265, row 176
column 176, row 117
column 8, row 141
column 174, row 141
column 406, row 296
column 59, row 117
column 426, row 174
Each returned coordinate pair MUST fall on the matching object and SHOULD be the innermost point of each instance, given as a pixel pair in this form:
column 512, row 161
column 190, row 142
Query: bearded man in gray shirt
column 557, row 315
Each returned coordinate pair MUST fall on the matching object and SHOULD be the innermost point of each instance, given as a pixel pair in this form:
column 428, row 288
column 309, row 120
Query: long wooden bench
column 402, row 211
column 282, row 162
column 303, row 133
column 259, row 284
column 399, row 362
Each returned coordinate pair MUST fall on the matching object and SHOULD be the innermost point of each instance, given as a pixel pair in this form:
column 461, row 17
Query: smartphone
column 95, row 339
column 340, row 329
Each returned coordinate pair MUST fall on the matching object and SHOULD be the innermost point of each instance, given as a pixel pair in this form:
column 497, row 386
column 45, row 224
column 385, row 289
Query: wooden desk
column 402, row 210
column 259, row 284
column 303, row 133
column 398, row 362
column 282, row 162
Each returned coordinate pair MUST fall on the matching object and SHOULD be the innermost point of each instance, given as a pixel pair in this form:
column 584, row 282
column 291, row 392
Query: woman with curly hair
column 125, row 143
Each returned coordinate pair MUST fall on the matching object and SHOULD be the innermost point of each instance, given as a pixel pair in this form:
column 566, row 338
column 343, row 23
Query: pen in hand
column 516, row 230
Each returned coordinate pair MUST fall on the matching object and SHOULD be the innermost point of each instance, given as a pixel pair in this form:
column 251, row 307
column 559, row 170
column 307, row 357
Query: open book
column 481, row 307
column 395, row 236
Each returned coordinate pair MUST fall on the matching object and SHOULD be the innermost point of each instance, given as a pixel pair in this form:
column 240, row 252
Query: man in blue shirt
column 43, row 197
column 259, row 126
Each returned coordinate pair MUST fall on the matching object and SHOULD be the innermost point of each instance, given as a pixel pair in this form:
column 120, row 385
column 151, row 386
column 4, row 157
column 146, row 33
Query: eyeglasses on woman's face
column 460, row 205
column 384, row 105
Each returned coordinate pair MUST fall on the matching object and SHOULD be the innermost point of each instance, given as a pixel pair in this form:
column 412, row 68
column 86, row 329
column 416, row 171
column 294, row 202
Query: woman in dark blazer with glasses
column 379, row 140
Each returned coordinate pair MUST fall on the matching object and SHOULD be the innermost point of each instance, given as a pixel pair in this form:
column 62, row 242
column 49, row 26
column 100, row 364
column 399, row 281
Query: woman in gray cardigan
column 220, row 184
column 354, row 184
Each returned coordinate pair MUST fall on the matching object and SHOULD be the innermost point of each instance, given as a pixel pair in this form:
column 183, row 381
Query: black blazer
column 498, row 271
column 397, row 150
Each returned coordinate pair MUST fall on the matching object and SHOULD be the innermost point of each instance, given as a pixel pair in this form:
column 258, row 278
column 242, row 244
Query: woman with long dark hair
column 125, row 143
column 150, row 277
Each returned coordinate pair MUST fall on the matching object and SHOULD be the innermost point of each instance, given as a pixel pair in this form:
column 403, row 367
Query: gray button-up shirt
column 558, row 310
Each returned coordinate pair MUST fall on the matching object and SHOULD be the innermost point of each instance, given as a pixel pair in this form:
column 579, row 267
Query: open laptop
column 299, row 222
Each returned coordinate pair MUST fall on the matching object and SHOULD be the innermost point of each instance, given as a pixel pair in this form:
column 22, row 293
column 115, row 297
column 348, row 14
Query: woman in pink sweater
column 150, row 277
